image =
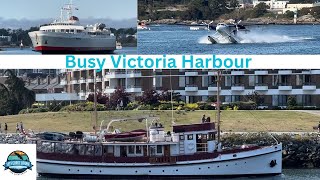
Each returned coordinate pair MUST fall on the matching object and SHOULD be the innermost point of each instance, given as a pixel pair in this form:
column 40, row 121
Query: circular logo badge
column 18, row 162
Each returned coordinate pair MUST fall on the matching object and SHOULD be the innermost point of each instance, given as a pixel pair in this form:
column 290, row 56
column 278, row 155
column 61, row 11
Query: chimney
column 48, row 79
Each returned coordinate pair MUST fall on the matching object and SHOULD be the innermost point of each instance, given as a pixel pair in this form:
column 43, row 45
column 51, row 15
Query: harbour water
column 18, row 51
column 288, row 174
column 262, row 39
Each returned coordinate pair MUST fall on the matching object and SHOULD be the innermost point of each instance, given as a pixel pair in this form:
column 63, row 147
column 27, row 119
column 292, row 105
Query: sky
column 44, row 9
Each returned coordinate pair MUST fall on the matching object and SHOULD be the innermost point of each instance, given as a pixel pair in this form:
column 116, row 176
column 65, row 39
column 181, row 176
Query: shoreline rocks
column 299, row 150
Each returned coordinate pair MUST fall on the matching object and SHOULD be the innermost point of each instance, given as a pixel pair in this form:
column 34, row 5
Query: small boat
column 142, row 26
column 135, row 135
column 51, row 136
column 119, row 46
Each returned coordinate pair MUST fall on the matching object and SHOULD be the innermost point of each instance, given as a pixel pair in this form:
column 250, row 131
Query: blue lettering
column 172, row 63
column 226, row 63
column 217, row 62
column 101, row 64
column 129, row 63
column 91, row 63
column 114, row 62
column 184, row 61
column 151, row 63
column 247, row 62
column 199, row 63
column 70, row 59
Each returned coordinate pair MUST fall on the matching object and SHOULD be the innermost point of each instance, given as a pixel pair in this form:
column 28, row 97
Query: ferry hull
column 250, row 163
column 55, row 43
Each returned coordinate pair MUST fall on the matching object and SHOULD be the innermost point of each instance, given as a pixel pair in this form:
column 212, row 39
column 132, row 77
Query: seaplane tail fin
column 212, row 40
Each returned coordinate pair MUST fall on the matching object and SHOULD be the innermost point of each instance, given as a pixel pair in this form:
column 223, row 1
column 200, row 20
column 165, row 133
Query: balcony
column 134, row 89
column 82, row 94
column 76, row 81
column 63, row 82
column 261, row 72
column 306, row 72
column 82, row 80
column 237, row 87
column 134, row 74
column 261, row 87
column 191, row 73
column 116, row 74
column 309, row 86
column 212, row 73
column 90, row 80
column 285, row 72
column 213, row 87
column 98, row 79
column 109, row 90
column 284, row 87
column 191, row 88
column 237, row 73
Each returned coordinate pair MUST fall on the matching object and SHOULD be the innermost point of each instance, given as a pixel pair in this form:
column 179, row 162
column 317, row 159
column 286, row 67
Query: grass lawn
column 236, row 121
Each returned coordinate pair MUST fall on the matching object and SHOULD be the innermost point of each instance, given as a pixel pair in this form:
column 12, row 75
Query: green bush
column 191, row 106
column 87, row 106
column 132, row 105
column 33, row 110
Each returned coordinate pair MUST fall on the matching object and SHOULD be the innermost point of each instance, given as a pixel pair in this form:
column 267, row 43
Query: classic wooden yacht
column 186, row 151
column 66, row 35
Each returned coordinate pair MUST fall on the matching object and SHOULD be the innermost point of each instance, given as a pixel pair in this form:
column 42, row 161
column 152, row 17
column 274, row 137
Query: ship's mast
column 218, row 103
column 95, row 101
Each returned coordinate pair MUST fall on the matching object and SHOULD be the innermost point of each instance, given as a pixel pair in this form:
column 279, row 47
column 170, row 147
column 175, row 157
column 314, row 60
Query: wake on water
column 255, row 37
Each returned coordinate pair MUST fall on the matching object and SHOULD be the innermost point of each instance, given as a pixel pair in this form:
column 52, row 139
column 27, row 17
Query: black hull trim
column 77, row 52
column 272, row 176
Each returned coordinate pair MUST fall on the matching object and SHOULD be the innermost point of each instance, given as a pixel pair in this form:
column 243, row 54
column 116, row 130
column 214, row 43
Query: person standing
column 17, row 128
column 21, row 127
column 203, row 120
column 5, row 128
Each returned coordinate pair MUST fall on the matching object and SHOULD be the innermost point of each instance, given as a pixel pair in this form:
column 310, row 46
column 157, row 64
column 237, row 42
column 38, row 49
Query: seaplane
column 228, row 32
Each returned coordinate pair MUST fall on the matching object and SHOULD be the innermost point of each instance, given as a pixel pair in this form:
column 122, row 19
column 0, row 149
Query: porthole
column 234, row 155
column 217, row 166
column 78, row 170
column 176, row 169
column 162, row 170
column 91, row 171
column 100, row 171
column 136, row 171
column 69, row 169
column 199, row 168
column 208, row 167
column 149, row 171
column 227, row 165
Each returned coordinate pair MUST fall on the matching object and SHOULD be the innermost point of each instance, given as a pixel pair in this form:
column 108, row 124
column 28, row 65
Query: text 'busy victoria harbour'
column 157, row 62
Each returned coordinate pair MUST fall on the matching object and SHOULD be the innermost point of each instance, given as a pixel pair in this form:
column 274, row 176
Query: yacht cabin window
column 138, row 149
column 131, row 150
column 159, row 149
column 190, row 137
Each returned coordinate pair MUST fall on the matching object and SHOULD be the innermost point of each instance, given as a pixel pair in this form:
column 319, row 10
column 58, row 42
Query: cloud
column 27, row 23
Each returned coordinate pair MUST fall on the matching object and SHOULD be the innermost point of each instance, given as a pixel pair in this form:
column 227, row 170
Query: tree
column 117, row 96
column 150, row 97
column 166, row 96
column 101, row 98
column 256, row 98
column 234, row 4
column 14, row 95
column 259, row 10
column 292, row 101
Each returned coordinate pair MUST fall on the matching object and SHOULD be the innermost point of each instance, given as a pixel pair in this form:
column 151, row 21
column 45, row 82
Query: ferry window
column 71, row 30
column 81, row 149
column 57, row 148
column 130, row 149
column 138, row 149
column 110, row 149
column 159, row 149
column 190, row 137
column 152, row 150
column 199, row 136
column 204, row 136
column 89, row 150
column 62, row 30
column 181, row 137
column 98, row 150
column 67, row 30
column 211, row 136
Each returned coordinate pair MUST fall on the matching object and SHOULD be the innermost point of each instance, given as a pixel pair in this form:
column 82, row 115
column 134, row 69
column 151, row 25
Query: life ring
column 191, row 146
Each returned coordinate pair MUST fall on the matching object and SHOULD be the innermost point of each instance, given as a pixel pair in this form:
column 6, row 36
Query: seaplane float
column 228, row 32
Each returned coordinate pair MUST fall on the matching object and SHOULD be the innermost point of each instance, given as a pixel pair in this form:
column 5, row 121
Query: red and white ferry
column 66, row 35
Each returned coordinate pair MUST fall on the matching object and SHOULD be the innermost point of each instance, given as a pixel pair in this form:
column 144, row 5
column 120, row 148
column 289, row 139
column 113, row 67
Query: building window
column 282, row 100
column 159, row 149
column 190, row 137
column 138, row 149
column 131, row 150
column 306, row 100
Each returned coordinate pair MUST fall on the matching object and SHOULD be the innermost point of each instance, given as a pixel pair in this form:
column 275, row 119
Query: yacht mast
column 95, row 101
column 218, row 103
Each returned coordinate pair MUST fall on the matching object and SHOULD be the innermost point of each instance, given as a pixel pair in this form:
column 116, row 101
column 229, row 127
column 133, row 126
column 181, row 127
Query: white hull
column 51, row 41
column 254, row 162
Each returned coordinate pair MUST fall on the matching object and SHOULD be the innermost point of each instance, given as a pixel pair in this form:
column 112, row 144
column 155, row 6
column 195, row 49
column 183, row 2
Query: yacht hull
column 55, row 43
column 266, row 161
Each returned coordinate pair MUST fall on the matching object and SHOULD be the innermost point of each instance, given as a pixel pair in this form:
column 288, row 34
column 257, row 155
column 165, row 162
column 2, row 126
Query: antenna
column 218, row 104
